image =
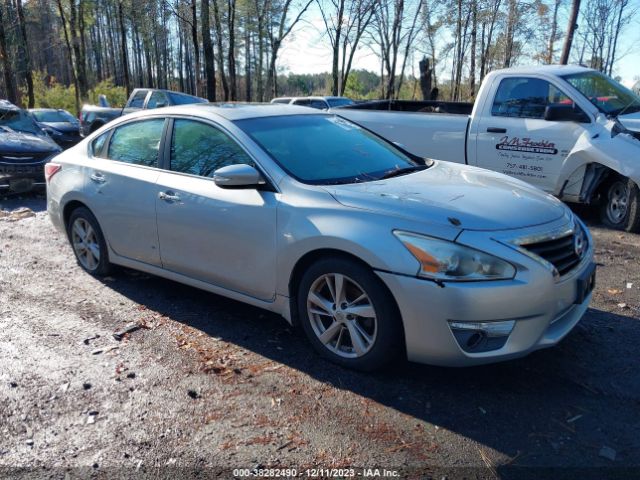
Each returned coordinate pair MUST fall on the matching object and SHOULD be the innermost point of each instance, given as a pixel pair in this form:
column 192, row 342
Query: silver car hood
column 448, row 193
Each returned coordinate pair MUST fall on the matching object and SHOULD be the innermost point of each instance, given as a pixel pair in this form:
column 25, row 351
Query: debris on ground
column 129, row 328
column 17, row 214
column 608, row 453
column 98, row 351
column 87, row 340
column 193, row 394
column 92, row 417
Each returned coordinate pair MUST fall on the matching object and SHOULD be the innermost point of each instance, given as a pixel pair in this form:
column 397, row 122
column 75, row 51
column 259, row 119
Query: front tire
column 349, row 315
column 620, row 208
column 88, row 242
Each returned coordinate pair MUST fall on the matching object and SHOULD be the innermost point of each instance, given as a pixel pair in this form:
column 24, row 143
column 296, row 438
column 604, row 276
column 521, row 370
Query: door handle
column 97, row 177
column 496, row 130
column 169, row 197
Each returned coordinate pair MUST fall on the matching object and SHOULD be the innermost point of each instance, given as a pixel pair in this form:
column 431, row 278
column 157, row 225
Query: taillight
column 50, row 169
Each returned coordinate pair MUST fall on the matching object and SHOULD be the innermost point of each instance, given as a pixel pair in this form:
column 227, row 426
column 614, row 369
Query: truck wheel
column 621, row 206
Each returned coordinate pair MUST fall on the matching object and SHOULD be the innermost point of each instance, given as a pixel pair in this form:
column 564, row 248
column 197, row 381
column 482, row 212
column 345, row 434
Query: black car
column 59, row 124
column 24, row 150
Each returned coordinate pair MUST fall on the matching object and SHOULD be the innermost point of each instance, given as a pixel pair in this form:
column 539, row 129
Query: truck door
column 512, row 136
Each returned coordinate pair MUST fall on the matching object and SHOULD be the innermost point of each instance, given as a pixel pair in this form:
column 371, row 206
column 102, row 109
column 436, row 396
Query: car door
column 122, row 187
column 224, row 237
column 512, row 136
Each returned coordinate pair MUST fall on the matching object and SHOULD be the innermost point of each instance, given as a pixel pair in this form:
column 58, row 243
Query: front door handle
column 496, row 130
column 169, row 197
column 97, row 177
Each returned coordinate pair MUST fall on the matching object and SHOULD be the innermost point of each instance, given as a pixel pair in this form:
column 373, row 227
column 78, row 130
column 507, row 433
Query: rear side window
column 97, row 146
column 303, row 102
column 526, row 98
column 200, row 149
column 138, row 99
column 137, row 143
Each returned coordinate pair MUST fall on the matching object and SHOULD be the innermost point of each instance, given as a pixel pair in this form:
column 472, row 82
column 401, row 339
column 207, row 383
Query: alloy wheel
column 85, row 244
column 342, row 315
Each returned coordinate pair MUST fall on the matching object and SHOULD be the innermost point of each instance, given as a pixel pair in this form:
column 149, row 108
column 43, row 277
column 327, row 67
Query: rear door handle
column 496, row 130
column 97, row 177
column 169, row 197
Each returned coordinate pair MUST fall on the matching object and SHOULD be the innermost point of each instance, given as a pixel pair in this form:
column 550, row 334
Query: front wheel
column 621, row 205
column 348, row 315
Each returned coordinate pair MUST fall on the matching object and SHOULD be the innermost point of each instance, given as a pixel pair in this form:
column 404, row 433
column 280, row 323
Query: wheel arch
column 309, row 259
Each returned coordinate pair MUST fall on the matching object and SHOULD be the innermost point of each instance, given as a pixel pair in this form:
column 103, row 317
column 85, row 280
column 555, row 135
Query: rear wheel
column 348, row 315
column 620, row 208
column 88, row 242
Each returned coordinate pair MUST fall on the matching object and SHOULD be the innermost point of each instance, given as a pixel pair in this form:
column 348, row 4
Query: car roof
column 230, row 111
column 47, row 110
column 556, row 70
column 8, row 105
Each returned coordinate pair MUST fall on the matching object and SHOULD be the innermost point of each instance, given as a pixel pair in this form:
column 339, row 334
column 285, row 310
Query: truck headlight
column 444, row 260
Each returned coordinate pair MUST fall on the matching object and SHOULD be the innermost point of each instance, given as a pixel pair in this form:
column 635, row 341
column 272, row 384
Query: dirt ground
column 209, row 384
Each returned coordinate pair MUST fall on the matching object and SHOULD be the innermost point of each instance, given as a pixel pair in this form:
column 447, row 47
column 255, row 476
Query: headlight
column 444, row 260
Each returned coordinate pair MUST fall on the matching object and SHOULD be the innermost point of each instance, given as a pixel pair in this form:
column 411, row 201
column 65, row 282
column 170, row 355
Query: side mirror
column 238, row 176
column 565, row 113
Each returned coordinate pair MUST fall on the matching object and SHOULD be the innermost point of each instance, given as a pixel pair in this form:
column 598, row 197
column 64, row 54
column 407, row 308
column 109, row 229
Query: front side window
column 318, row 104
column 526, row 98
column 157, row 100
column 137, row 143
column 326, row 149
column 138, row 99
column 200, row 149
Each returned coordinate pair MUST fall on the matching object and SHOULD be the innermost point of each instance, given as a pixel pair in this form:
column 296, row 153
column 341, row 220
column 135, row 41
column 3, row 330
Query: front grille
column 561, row 252
column 23, row 157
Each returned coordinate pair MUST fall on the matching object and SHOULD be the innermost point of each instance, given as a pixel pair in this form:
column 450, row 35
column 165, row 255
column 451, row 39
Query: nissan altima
column 375, row 253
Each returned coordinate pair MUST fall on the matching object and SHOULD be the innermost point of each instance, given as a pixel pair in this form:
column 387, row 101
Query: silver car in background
column 375, row 253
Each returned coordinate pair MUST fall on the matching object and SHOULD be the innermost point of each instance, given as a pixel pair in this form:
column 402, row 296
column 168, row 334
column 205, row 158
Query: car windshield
column 326, row 149
column 53, row 116
column 605, row 93
column 339, row 102
column 18, row 120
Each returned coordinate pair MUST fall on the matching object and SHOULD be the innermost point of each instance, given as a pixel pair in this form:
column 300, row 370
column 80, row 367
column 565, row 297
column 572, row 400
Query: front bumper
column 543, row 307
column 19, row 178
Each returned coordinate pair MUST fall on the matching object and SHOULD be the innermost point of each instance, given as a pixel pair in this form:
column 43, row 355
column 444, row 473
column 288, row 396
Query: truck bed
column 417, row 106
column 429, row 135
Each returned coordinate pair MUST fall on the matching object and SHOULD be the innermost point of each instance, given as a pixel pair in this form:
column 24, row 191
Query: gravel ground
column 209, row 384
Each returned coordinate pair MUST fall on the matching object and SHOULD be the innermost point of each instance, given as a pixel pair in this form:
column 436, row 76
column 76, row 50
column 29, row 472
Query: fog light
column 476, row 337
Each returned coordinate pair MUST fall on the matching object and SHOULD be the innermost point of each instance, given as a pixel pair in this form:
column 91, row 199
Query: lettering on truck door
column 514, row 138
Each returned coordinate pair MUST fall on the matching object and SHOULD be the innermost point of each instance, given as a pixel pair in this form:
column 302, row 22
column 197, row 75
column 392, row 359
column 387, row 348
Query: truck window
column 526, row 98
column 158, row 99
column 138, row 99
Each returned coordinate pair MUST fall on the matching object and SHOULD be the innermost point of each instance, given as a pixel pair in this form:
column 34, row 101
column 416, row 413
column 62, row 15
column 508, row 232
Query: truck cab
column 570, row 131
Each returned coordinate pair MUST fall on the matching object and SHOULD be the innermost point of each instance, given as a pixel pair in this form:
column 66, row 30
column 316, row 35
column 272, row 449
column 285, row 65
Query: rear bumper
column 543, row 310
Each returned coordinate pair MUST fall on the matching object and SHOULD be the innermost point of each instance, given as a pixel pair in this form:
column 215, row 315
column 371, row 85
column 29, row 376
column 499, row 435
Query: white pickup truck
column 568, row 130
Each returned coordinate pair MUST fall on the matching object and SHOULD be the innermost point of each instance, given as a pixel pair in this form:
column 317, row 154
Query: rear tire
column 348, row 315
column 620, row 208
column 88, row 243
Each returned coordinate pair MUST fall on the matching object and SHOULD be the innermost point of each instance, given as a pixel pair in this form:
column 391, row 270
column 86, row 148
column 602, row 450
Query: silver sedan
column 375, row 253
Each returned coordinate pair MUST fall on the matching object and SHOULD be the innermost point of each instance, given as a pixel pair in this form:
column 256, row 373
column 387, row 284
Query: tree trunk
column 247, row 62
column 69, row 50
column 123, row 36
column 6, row 62
column 571, row 29
column 231, row 53
column 218, row 27
column 209, row 67
column 474, row 38
column 554, row 32
column 196, row 45
column 27, row 59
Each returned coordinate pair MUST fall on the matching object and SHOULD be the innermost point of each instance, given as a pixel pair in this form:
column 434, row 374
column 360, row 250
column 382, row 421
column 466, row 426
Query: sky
column 307, row 49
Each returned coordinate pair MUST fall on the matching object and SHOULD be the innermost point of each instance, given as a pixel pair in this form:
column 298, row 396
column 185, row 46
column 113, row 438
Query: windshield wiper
column 396, row 172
